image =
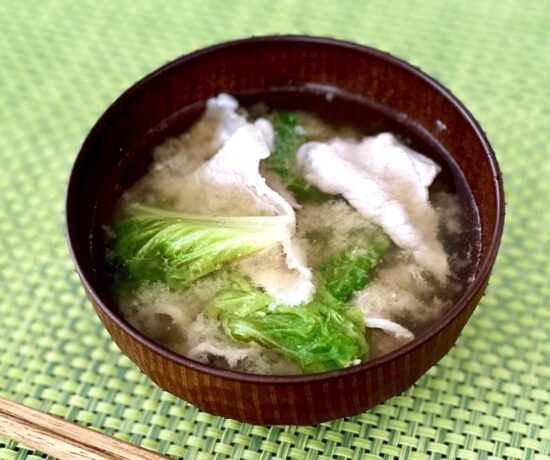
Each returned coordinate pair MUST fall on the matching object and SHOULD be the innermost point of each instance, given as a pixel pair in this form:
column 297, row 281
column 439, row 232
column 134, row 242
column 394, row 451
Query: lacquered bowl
column 116, row 153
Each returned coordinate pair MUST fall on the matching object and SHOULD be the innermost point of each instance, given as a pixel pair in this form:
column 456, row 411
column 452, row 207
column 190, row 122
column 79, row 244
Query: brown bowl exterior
column 260, row 64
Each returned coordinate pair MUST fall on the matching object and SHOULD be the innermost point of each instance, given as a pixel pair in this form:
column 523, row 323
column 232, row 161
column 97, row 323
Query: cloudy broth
column 400, row 290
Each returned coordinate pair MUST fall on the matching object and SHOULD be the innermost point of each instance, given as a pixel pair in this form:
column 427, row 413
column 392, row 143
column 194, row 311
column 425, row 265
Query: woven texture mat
column 62, row 63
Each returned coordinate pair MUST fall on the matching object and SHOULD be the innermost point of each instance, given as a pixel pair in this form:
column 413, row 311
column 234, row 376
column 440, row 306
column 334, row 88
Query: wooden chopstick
column 64, row 440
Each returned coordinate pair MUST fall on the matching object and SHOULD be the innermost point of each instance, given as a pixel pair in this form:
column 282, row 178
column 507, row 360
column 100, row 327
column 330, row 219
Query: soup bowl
column 341, row 80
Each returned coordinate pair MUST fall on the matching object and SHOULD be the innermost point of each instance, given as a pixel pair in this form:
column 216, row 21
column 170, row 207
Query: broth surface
column 401, row 291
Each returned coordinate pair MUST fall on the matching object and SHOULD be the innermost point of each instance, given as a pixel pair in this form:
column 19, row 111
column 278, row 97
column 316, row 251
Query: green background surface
column 63, row 62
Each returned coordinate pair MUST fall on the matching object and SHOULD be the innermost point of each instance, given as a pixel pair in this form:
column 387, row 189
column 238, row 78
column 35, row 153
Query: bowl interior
column 366, row 88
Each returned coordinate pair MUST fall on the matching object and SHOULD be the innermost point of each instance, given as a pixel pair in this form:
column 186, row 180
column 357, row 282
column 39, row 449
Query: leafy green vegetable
column 322, row 335
column 350, row 270
column 157, row 245
column 283, row 159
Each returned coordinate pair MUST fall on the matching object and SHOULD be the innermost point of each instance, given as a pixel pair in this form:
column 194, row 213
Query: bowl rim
column 483, row 270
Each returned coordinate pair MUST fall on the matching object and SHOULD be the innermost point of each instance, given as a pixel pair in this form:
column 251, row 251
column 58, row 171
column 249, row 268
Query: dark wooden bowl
column 288, row 71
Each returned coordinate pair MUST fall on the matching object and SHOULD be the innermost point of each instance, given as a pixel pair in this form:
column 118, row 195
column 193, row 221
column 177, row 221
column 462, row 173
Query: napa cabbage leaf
column 282, row 161
column 352, row 268
column 322, row 335
column 157, row 245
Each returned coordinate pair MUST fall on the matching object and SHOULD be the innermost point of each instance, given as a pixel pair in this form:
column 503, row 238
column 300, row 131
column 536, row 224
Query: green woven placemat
column 63, row 62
